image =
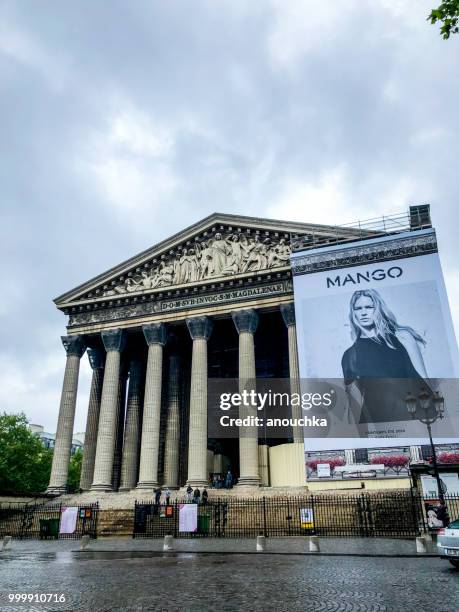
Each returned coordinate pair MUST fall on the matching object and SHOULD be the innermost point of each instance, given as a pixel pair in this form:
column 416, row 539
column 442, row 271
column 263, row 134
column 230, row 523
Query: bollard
column 421, row 545
column 84, row 542
column 7, row 542
column 314, row 545
column 168, row 542
column 261, row 543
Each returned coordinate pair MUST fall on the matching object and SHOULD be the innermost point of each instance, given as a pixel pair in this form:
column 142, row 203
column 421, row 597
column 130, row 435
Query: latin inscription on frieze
column 181, row 303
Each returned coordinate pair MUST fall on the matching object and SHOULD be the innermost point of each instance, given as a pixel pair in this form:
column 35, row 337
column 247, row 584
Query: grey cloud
column 372, row 93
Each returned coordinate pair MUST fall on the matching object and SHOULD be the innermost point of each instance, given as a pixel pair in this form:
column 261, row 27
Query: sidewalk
column 364, row 547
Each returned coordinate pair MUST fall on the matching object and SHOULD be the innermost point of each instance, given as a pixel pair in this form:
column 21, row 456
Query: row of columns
column 103, row 440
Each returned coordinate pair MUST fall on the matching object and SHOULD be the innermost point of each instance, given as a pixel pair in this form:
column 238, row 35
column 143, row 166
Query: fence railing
column 416, row 219
column 397, row 514
column 39, row 521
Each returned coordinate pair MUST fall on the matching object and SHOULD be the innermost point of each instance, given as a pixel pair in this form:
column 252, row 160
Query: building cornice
column 363, row 252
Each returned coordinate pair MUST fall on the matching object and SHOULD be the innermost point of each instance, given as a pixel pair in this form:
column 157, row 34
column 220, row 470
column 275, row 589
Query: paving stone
column 133, row 577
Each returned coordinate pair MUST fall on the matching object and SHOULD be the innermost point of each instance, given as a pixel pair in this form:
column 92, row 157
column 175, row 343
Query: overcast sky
column 124, row 122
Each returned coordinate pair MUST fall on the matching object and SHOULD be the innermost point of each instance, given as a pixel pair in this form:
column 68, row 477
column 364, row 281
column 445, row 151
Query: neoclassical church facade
column 213, row 301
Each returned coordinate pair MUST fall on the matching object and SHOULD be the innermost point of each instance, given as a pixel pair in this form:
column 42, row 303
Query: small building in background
column 48, row 439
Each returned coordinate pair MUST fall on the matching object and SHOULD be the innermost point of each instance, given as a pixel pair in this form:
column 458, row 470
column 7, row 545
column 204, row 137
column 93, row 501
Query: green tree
column 73, row 480
column 25, row 462
column 447, row 13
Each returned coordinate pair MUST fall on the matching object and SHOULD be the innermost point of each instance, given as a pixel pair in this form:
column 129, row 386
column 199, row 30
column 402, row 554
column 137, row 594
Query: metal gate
column 28, row 521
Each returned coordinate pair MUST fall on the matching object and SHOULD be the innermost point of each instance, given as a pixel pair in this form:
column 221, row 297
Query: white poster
column 188, row 517
column 377, row 331
column 69, row 518
column 307, row 518
column 323, row 470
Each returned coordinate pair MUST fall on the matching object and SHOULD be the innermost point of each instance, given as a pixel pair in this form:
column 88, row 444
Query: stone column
column 218, row 463
column 97, row 361
column 263, row 462
column 246, row 322
column 288, row 314
column 172, row 445
column 210, row 463
column 120, row 416
column 156, row 336
column 200, row 329
column 74, row 347
column 132, row 428
column 114, row 342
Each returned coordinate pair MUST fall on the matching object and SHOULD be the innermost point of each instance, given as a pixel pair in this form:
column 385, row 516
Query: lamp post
column 427, row 407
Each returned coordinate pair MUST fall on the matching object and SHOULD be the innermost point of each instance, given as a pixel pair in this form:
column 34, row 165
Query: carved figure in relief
column 257, row 256
column 164, row 275
column 235, row 258
column 205, row 257
column 188, row 269
column 220, row 251
column 221, row 256
column 279, row 255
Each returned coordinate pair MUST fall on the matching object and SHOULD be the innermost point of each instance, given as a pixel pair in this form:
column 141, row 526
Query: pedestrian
column 158, row 495
column 167, row 493
column 204, row 497
column 229, row 480
column 189, row 493
column 197, row 496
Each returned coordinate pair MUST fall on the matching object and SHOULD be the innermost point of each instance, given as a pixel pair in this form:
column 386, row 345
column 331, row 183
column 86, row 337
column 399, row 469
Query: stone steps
column 126, row 499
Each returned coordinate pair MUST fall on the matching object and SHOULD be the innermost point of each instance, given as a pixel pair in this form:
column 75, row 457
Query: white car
column 448, row 543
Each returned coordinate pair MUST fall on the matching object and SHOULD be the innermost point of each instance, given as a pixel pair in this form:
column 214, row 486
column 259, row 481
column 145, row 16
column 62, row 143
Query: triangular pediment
column 220, row 246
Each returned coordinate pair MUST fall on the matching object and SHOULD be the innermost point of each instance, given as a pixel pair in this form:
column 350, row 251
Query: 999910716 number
column 36, row 597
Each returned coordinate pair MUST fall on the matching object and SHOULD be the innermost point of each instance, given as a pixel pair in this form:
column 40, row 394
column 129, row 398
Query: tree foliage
column 25, row 462
column 447, row 13
column 73, row 480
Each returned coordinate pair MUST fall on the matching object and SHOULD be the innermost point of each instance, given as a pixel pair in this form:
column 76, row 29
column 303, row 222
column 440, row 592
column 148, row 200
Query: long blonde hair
column 386, row 325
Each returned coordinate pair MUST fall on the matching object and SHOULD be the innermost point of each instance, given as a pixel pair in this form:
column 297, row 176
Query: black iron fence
column 41, row 521
column 395, row 514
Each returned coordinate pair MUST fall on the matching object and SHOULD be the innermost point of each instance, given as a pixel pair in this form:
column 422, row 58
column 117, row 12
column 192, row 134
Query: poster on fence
column 188, row 518
column 307, row 518
column 68, row 520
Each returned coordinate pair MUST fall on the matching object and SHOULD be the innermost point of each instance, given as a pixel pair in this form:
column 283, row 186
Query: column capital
column 155, row 333
column 200, row 327
column 245, row 320
column 114, row 340
column 96, row 358
column 74, row 345
column 288, row 314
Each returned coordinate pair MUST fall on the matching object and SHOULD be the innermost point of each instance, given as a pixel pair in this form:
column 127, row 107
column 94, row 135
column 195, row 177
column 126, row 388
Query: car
column 448, row 543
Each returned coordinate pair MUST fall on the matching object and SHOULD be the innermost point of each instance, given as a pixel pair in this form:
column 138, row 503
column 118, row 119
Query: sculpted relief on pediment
column 222, row 255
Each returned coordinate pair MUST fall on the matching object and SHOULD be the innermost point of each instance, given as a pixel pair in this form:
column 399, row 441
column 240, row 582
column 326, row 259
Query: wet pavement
column 292, row 545
column 135, row 575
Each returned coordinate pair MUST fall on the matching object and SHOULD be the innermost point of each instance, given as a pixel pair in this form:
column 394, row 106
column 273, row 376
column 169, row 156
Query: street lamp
column 427, row 407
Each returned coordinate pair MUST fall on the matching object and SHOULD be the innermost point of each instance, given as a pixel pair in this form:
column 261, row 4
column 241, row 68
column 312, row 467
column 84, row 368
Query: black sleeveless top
column 384, row 376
